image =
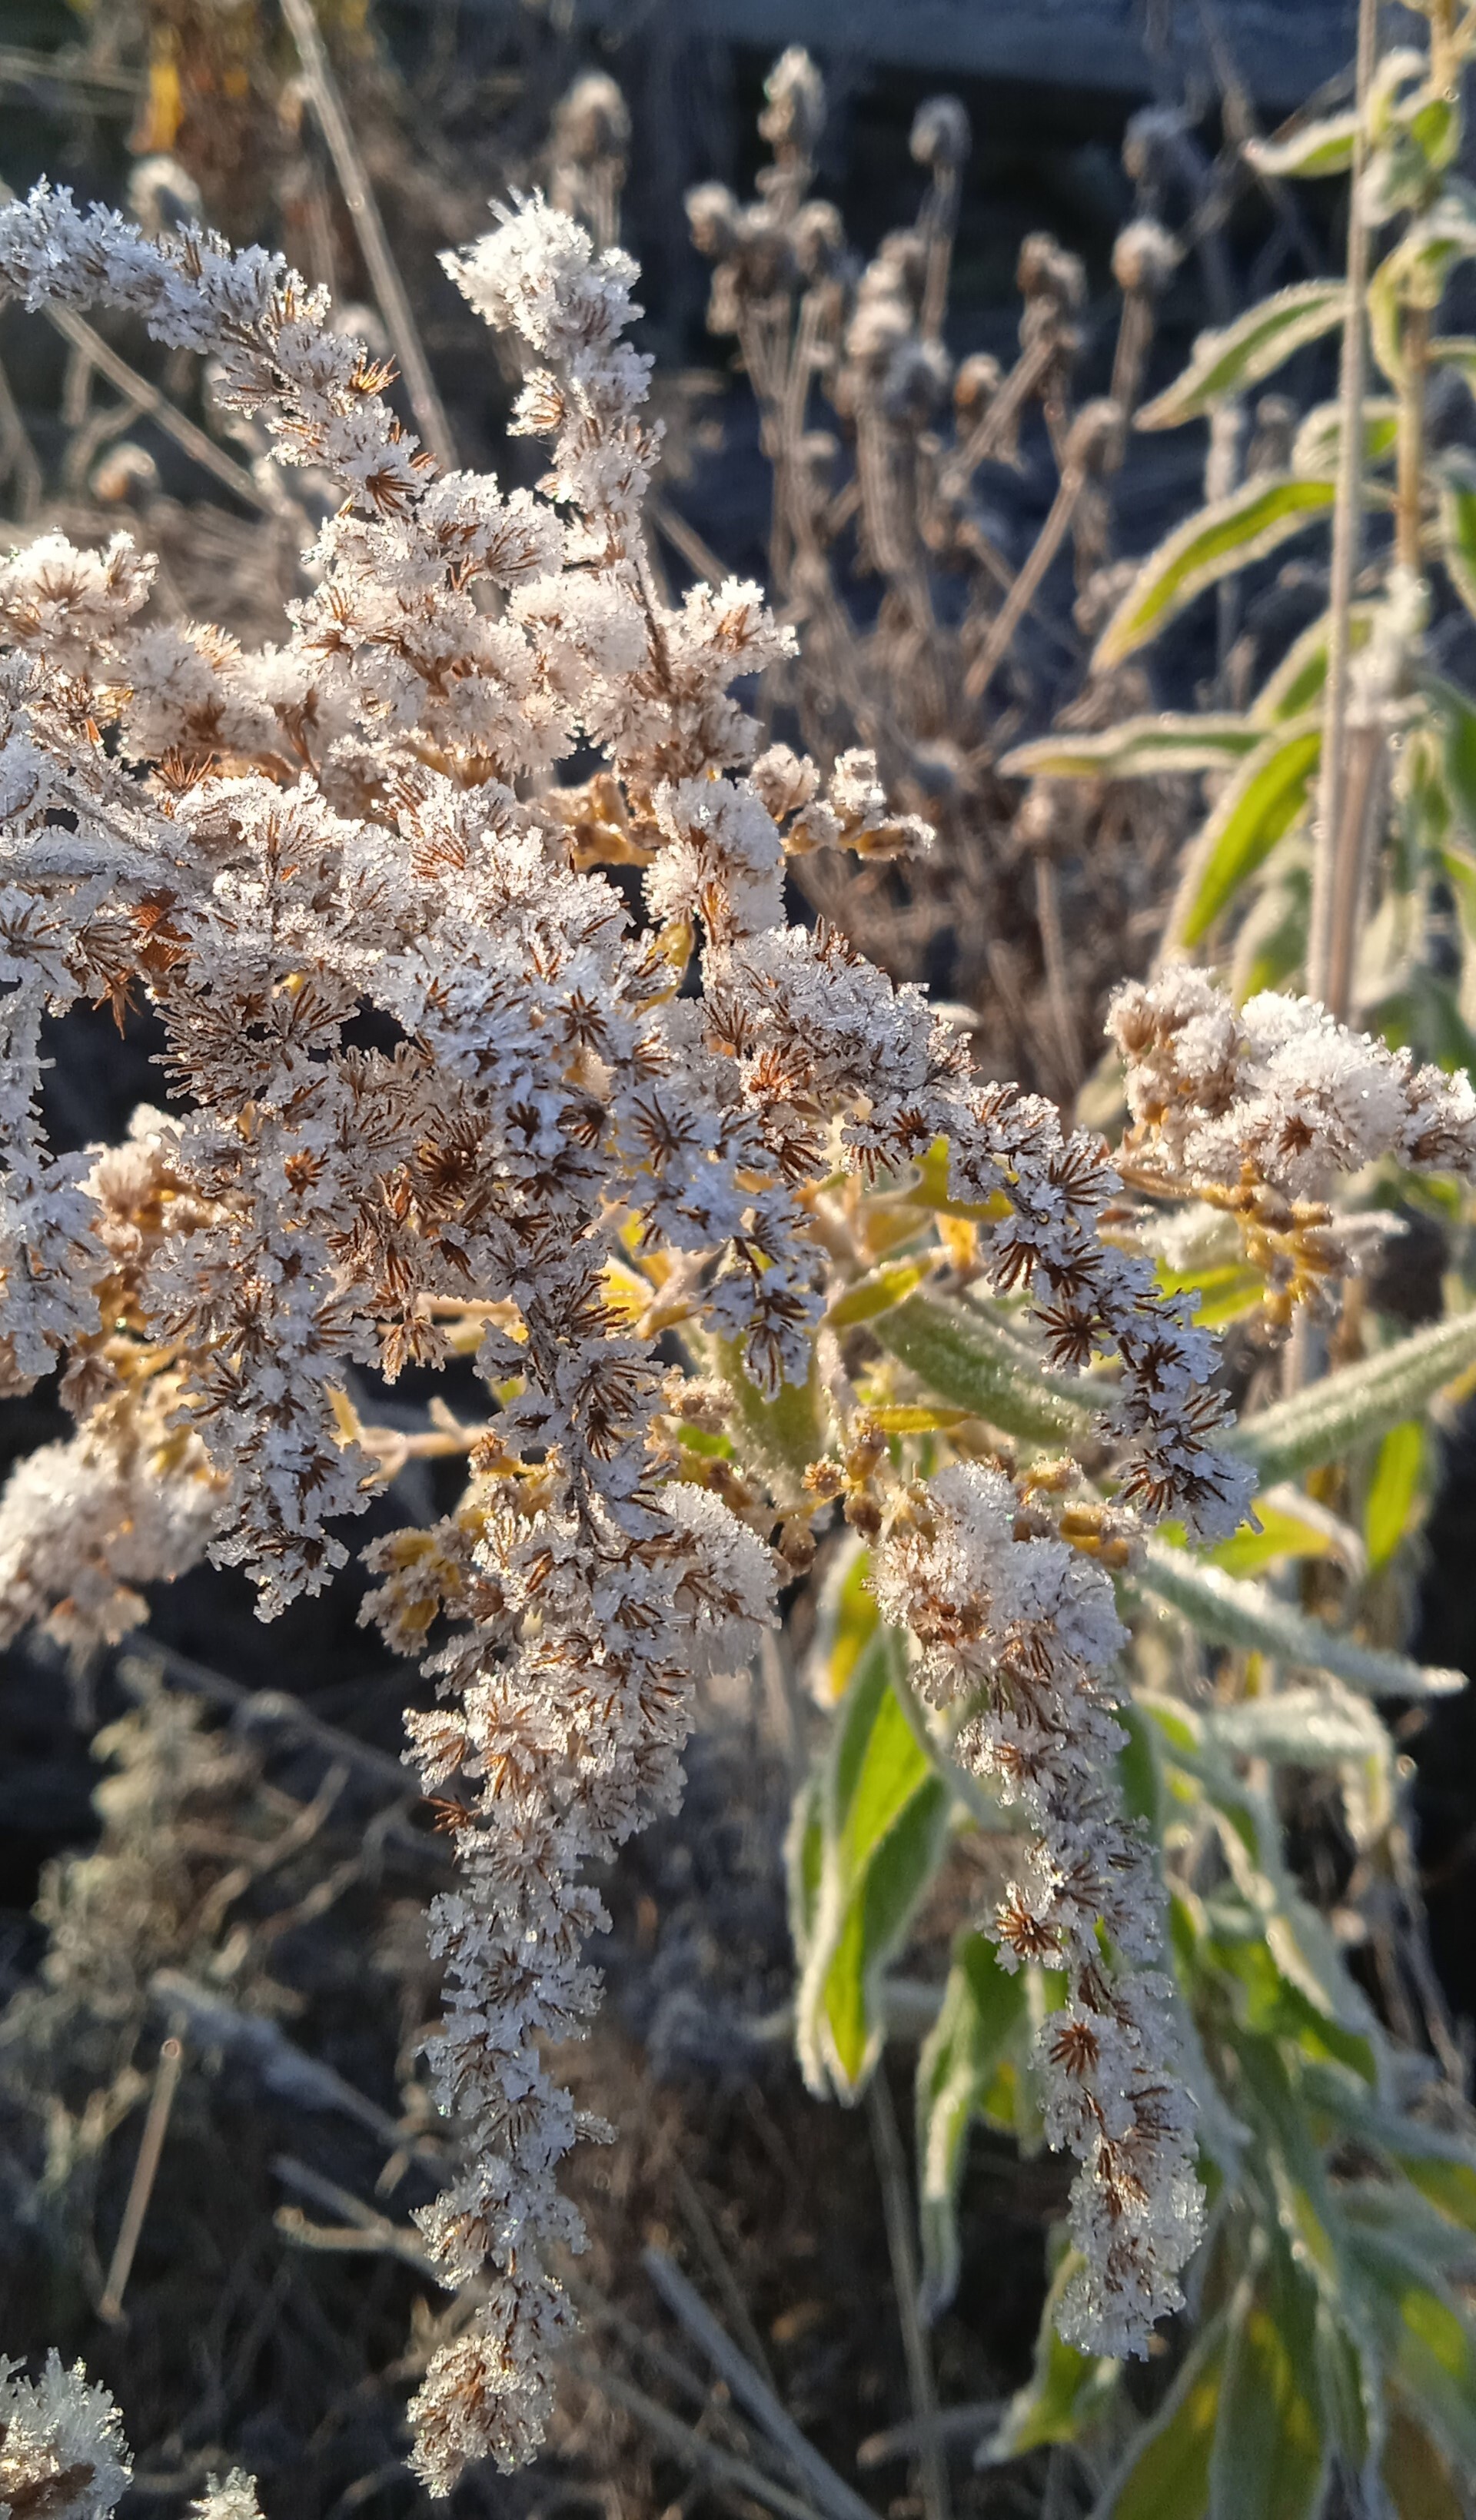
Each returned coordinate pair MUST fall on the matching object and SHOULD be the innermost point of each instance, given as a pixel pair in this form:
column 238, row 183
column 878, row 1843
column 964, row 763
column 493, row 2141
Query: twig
column 705, row 2456
column 364, row 211
column 699, row 2223
column 150, row 400
column 276, row 1706
column 1347, row 537
column 829, row 2490
column 145, row 2171
column 1026, row 587
column 897, row 2206
column 362, row 2228
column 950, row 2423
column 685, row 540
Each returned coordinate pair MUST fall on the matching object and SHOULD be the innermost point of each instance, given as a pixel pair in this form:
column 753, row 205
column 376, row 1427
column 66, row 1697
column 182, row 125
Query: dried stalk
column 364, row 211
column 145, row 2171
column 931, row 2467
column 1328, row 902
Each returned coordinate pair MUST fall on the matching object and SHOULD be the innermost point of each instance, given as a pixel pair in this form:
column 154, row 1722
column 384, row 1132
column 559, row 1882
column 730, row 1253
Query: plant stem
column 930, row 2465
column 1347, row 534
column 145, row 2171
column 364, row 211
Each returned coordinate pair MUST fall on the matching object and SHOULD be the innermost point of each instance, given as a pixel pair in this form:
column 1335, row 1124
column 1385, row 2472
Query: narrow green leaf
column 1321, row 148
column 1166, row 2475
column 785, row 1433
column 1230, row 1611
column 1254, row 522
column 1292, row 1525
column 1225, row 1291
column 1457, row 526
column 1356, row 1405
column 882, row 1816
column 969, row 2066
column 1394, row 1491
column 846, row 1619
column 1267, row 794
column 1301, row 1728
column 1318, row 446
column 956, row 1351
column 1270, row 2458
column 1139, row 747
column 878, row 1291
column 1066, row 2390
column 1301, row 678
column 1232, row 360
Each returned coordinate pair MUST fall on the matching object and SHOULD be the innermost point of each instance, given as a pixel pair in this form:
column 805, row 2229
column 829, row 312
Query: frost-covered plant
column 893, row 462
column 62, row 2455
column 61, row 2450
column 577, row 1126
column 265, row 843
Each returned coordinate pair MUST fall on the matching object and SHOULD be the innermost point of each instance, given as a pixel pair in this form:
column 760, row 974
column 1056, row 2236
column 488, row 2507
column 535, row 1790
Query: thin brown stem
column 931, row 2466
column 145, row 2171
column 1026, row 587
column 1347, row 534
column 364, row 211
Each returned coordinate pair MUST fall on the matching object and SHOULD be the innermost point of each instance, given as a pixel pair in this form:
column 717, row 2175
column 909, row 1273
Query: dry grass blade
column 830, row 2491
column 721, row 2466
column 897, row 2205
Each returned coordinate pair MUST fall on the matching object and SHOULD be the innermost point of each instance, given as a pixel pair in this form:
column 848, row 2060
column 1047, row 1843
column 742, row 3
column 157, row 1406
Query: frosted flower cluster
column 363, row 821
column 1280, row 1090
column 1020, row 1629
column 62, row 2455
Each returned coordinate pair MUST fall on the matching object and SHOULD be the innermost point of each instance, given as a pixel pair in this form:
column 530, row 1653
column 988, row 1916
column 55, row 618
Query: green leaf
column 1301, row 678
column 882, row 1817
column 1231, row 1611
column 1230, row 361
column 1166, row 2475
column 1321, row 148
column 1318, row 447
column 878, row 1291
column 1225, row 1291
column 846, row 1619
column 1299, row 1728
column 1415, row 274
column 1255, row 520
column 1292, row 1525
column 970, row 2065
column 1394, row 1492
column 1270, row 2458
column 1267, row 794
column 960, row 1354
column 1426, row 2343
column 1066, row 2390
column 1354, row 1406
column 1458, row 526
column 1139, row 747
column 784, row 1433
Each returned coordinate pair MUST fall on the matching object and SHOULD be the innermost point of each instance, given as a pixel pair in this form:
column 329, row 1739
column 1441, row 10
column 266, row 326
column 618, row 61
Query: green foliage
column 1254, row 522
column 866, row 1841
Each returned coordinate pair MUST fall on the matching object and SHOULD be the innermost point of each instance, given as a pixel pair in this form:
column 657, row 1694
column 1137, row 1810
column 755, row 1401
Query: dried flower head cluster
column 1261, row 1108
column 1020, row 1629
column 358, row 824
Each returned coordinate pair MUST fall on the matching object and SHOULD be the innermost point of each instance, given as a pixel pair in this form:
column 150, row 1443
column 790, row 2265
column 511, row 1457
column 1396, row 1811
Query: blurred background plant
column 947, row 532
